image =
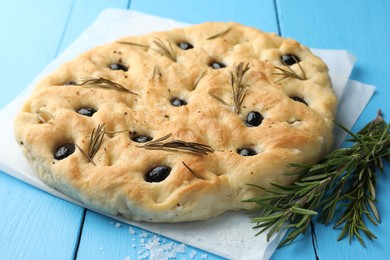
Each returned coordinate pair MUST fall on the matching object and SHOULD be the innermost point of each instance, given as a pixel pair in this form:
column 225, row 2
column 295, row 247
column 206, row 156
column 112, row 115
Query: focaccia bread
column 173, row 126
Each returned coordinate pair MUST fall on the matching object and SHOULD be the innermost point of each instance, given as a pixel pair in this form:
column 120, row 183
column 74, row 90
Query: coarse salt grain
column 192, row 253
column 143, row 235
column 180, row 248
column 118, row 225
column 131, row 231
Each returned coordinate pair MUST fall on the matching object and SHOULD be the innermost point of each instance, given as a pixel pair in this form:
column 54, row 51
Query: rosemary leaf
column 196, row 82
column 134, row 44
column 344, row 182
column 219, row 34
column 156, row 71
column 43, row 116
column 219, row 99
column 192, row 171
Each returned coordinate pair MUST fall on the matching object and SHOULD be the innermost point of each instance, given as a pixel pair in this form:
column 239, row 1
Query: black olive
column 217, row 65
column 185, row 45
column 158, row 174
column 253, row 118
column 178, row 102
column 298, row 99
column 63, row 151
column 86, row 111
column 289, row 59
column 118, row 66
column 69, row 83
column 141, row 138
column 246, row 152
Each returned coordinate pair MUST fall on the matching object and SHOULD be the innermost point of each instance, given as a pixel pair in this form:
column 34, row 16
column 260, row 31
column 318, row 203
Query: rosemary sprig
column 238, row 87
column 176, row 145
column 95, row 141
column 165, row 49
column 289, row 72
column 343, row 182
column 219, row 34
column 105, row 84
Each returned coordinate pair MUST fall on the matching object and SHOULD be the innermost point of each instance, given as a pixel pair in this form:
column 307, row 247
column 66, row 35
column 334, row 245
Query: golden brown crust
column 199, row 186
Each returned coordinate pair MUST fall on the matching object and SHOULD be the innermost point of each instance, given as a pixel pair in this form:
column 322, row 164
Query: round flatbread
column 173, row 126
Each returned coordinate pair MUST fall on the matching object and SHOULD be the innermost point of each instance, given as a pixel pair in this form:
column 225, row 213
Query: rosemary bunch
column 342, row 186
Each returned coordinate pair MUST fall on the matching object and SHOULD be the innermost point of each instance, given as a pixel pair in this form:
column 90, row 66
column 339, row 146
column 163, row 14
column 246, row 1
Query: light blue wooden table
column 35, row 225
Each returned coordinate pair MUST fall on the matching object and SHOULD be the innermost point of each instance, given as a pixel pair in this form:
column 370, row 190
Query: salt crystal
column 143, row 235
column 192, row 253
column 153, row 242
column 181, row 248
column 118, row 225
column 168, row 246
column 127, row 258
column 171, row 254
column 131, row 231
column 145, row 255
column 203, row 256
column 133, row 245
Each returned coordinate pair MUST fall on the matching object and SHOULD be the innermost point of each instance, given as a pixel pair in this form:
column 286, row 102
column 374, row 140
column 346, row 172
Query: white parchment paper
column 229, row 235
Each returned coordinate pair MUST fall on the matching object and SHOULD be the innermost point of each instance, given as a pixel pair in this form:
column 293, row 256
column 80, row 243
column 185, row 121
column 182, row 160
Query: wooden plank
column 30, row 33
column 83, row 14
column 259, row 14
column 33, row 224
column 361, row 27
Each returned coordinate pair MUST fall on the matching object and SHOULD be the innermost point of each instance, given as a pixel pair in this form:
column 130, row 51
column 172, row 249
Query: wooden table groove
column 80, row 234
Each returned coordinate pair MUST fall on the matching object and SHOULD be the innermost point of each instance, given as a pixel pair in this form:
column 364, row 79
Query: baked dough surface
column 156, row 70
